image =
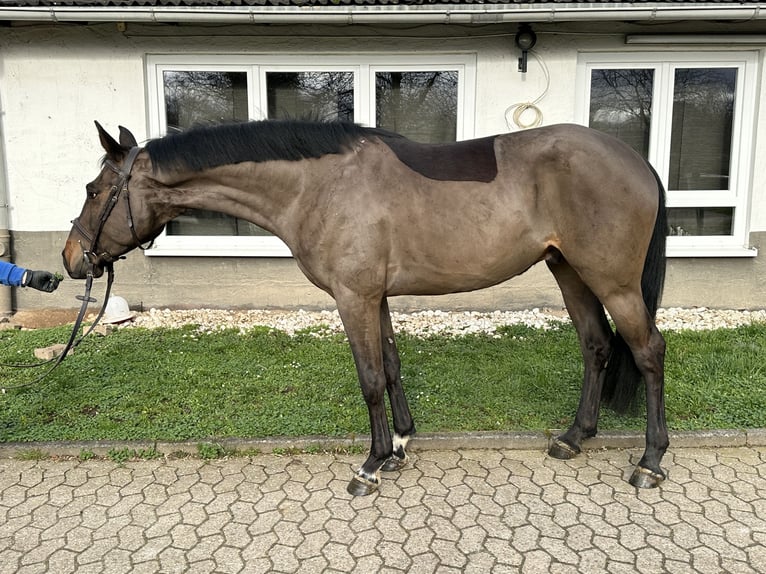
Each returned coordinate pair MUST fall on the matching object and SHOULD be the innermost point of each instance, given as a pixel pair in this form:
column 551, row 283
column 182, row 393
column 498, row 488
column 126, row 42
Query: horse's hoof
column 645, row 478
column 561, row 450
column 361, row 486
column 395, row 463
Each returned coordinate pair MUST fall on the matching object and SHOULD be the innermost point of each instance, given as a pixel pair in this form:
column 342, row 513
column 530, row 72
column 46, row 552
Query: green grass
column 178, row 384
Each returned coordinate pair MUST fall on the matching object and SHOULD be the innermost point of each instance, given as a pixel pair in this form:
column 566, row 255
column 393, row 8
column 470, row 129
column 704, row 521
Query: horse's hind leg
column 404, row 427
column 647, row 345
column 595, row 334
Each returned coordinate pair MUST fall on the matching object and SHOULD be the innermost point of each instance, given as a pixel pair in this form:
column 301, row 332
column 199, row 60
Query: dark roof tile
column 224, row 3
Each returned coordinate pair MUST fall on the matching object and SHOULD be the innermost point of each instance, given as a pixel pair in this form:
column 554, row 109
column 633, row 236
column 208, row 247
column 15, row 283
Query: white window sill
column 680, row 251
column 265, row 247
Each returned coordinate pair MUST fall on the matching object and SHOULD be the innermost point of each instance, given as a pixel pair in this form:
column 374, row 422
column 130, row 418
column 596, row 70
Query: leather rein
column 117, row 190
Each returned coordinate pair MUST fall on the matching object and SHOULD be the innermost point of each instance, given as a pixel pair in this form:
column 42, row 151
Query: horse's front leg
column 361, row 320
column 404, row 427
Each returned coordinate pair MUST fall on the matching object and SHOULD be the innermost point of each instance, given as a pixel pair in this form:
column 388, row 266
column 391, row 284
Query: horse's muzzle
column 76, row 262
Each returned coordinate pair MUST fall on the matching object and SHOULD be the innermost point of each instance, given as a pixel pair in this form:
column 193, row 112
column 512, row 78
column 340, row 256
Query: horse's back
column 469, row 160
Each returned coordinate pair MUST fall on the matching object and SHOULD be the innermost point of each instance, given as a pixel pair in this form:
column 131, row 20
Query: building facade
column 682, row 82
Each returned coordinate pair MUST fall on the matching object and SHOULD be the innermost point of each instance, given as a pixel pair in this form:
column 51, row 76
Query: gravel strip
column 423, row 323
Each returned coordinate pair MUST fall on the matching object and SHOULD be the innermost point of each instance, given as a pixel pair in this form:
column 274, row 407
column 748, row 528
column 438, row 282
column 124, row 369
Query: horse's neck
column 258, row 192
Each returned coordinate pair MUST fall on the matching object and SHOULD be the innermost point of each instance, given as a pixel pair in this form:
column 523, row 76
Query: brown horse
column 369, row 214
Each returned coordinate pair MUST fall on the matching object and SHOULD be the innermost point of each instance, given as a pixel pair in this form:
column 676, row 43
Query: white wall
column 53, row 86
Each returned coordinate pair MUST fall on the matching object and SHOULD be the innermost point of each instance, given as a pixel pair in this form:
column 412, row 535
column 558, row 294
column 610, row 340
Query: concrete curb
column 424, row 441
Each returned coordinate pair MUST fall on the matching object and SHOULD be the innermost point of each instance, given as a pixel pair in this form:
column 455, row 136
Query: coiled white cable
column 514, row 112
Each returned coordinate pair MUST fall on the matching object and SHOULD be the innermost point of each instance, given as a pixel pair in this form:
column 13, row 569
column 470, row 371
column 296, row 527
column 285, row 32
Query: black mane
column 209, row 146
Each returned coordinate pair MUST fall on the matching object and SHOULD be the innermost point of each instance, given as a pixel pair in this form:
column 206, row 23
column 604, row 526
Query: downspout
column 6, row 299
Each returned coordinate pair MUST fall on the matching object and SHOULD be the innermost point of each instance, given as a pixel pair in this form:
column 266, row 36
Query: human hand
column 42, row 281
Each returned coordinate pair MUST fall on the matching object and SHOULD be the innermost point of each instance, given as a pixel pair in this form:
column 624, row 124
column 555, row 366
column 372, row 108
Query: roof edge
column 371, row 14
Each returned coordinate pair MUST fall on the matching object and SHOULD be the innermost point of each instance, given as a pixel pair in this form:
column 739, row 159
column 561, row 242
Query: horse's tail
column 623, row 379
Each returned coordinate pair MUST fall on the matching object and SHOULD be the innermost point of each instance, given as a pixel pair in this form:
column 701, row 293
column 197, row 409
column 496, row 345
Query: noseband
column 117, row 190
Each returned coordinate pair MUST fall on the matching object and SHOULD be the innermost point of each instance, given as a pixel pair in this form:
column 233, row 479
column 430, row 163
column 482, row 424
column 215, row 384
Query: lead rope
column 73, row 340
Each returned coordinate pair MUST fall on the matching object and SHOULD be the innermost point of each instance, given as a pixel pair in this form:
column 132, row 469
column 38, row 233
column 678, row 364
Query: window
column 317, row 95
column 425, row 98
column 419, row 105
column 691, row 117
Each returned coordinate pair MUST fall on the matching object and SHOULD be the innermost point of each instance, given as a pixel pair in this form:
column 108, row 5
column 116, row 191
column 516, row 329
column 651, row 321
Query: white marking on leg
column 400, row 442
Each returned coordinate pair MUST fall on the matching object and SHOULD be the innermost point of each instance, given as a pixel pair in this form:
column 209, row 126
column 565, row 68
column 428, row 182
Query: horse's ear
column 126, row 138
column 110, row 145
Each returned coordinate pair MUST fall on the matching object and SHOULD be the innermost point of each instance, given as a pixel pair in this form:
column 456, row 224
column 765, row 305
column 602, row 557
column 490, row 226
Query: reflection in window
column 621, row 105
column 201, row 97
column 703, row 111
column 701, row 220
column 310, row 95
column 198, row 97
column 419, row 105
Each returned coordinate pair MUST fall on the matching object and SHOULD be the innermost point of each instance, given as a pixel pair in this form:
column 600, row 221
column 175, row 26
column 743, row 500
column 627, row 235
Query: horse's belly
column 453, row 272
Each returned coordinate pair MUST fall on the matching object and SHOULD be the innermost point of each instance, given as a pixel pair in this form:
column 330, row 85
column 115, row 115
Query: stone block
column 51, row 352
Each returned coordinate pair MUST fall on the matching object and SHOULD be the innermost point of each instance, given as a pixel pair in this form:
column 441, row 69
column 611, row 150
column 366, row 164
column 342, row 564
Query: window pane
column 194, row 97
column 201, row 222
column 419, row 105
column 310, row 95
column 621, row 105
column 703, row 111
column 701, row 220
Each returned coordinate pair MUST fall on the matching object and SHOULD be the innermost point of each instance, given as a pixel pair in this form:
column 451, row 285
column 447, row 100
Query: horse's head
column 113, row 220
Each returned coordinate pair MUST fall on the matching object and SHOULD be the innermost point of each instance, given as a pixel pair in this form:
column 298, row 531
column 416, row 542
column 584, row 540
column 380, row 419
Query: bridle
column 117, row 190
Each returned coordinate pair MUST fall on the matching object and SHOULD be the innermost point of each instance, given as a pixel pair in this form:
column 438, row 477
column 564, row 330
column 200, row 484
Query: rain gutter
column 391, row 14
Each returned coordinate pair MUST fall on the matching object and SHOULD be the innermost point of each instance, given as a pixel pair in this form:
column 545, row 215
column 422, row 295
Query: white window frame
column 256, row 67
column 740, row 176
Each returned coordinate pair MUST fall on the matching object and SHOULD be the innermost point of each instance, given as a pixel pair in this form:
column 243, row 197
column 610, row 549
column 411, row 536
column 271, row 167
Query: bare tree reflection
column 420, row 105
column 621, row 105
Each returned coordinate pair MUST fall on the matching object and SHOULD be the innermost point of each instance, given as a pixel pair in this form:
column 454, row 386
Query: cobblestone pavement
column 461, row 510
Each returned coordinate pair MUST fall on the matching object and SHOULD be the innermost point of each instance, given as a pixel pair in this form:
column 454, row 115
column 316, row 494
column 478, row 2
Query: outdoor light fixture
column 525, row 40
